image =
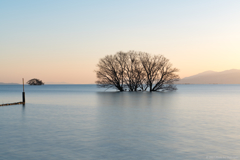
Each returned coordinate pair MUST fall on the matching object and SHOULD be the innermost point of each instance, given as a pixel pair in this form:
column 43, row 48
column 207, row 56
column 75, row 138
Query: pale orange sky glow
column 64, row 42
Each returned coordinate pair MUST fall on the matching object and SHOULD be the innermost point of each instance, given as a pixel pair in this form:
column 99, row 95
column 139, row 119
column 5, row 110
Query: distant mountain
column 210, row 77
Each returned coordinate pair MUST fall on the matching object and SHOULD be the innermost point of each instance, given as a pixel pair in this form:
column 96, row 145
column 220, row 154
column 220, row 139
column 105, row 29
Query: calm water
column 84, row 122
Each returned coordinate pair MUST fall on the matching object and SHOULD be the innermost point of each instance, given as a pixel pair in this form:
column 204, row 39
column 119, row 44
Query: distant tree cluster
column 35, row 81
column 136, row 71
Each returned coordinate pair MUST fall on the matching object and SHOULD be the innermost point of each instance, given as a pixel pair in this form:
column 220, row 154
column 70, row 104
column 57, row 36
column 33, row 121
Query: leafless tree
column 110, row 73
column 134, row 75
column 159, row 72
column 134, row 71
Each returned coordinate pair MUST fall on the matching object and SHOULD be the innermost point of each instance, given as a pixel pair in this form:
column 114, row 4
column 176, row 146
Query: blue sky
column 62, row 41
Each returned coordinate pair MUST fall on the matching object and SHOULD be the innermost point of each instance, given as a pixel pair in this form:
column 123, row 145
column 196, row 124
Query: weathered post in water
column 23, row 93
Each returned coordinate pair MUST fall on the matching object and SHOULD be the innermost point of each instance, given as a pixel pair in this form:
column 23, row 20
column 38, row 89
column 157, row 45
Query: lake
column 84, row 122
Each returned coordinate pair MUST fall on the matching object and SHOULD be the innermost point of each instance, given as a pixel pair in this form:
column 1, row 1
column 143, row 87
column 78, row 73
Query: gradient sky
column 62, row 41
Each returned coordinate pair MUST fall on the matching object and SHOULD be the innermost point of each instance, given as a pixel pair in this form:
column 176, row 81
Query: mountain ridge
column 231, row 76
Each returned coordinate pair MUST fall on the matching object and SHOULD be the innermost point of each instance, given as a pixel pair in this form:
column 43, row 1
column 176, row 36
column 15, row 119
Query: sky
column 61, row 41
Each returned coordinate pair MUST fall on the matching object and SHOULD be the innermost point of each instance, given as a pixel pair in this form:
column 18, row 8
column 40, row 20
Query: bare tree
column 110, row 74
column 159, row 72
column 134, row 75
column 136, row 71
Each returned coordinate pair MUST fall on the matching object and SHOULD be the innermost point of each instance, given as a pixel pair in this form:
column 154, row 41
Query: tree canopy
column 136, row 71
column 35, row 81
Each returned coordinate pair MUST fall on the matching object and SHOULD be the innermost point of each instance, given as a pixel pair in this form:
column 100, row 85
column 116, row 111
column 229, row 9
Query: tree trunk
column 150, row 86
column 121, row 89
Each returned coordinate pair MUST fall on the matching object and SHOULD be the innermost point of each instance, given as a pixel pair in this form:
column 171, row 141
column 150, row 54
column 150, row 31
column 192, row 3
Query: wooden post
column 23, row 93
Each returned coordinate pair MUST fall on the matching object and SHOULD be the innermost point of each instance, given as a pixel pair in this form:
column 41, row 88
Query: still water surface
column 84, row 122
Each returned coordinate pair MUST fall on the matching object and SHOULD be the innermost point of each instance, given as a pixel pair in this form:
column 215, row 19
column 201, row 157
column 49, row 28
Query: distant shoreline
column 9, row 84
column 96, row 84
column 70, row 84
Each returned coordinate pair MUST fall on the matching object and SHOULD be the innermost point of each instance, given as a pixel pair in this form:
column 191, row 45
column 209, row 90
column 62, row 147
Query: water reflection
column 66, row 121
column 136, row 122
column 139, row 99
column 23, row 108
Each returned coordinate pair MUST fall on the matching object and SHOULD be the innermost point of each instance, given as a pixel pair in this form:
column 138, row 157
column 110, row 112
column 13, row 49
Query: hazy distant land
column 209, row 77
column 212, row 77
column 1, row 83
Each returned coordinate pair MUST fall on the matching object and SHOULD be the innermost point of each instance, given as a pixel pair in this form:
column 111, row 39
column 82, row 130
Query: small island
column 35, row 81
